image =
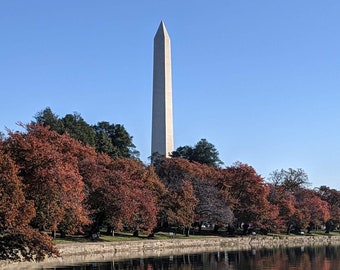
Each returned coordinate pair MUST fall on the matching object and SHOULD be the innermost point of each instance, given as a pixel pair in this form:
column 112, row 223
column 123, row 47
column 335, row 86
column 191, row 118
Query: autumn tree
column 285, row 202
column 181, row 206
column 213, row 203
column 144, row 188
column 49, row 169
column 17, row 239
column 314, row 210
column 123, row 194
column 180, row 201
column 203, row 152
column 309, row 210
column 332, row 197
column 250, row 194
column 214, row 199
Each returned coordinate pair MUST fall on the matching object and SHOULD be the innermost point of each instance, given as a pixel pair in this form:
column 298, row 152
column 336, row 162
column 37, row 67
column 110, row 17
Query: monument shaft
column 162, row 141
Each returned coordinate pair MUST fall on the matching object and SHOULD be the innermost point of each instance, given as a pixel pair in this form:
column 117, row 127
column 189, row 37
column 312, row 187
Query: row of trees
column 51, row 181
column 112, row 139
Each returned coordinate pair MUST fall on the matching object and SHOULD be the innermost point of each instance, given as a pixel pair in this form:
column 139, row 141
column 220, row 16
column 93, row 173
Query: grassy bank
column 127, row 236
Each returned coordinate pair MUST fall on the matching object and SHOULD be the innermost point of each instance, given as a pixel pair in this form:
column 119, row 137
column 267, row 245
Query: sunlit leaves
column 126, row 194
column 15, row 211
column 19, row 239
column 250, row 192
column 49, row 169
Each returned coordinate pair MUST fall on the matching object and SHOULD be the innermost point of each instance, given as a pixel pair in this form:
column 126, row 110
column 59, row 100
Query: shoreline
column 73, row 253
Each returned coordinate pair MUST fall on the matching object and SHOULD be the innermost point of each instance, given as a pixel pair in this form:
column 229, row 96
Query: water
column 302, row 258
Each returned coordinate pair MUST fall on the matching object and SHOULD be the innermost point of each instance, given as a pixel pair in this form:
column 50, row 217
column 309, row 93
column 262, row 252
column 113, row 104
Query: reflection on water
column 303, row 258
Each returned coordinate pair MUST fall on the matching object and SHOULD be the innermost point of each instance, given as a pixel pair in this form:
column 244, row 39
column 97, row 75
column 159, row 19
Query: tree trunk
column 216, row 227
column 187, row 231
column 110, row 231
column 200, row 227
column 62, row 234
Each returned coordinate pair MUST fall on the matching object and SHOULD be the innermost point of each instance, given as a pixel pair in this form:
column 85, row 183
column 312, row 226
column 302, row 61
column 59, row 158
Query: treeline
column 55, row 178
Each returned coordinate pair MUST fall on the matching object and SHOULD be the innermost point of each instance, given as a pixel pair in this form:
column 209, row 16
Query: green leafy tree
column 203, row 152
column 47, row 118
column 111, row 139
column 73, row 124
column 114, row 140
column 78, row 129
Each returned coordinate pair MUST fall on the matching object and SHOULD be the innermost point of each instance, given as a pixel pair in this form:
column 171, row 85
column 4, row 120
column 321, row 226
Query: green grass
column 322, row 233
column 127, row 236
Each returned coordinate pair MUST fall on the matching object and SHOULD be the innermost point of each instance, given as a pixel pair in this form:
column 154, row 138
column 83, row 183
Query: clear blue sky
column 258, row 79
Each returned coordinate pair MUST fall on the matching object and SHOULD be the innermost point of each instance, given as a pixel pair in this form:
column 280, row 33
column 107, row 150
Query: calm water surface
column 302, row 258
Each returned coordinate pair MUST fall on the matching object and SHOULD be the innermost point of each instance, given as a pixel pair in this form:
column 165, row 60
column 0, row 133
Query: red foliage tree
column 19, row 240
column 315, row 212
column 140, row 208
column 181, row 206
column 250, row 194
column 180, row 201
column 49, row 169
column 285, row 202
column 332, row 197
column 124, row 194
column 213, row 198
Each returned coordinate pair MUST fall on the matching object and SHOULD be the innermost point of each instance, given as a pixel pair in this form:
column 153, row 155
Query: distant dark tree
column 203, row 152
column 186, row 152
column 47, row 118
column 78, row 129
column 292, row 180
column 111, row 139
column 114, row 140
column 73, row 124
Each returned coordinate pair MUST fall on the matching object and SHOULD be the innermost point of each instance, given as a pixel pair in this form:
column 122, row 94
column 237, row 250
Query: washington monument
column 162, row 142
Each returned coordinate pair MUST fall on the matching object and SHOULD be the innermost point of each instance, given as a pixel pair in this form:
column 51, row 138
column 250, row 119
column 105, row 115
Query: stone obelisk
column 162, row 142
